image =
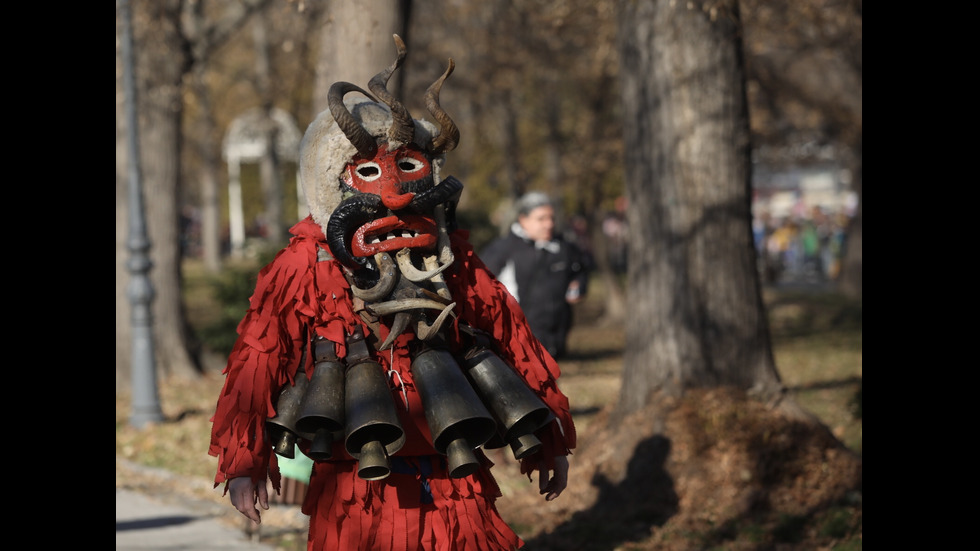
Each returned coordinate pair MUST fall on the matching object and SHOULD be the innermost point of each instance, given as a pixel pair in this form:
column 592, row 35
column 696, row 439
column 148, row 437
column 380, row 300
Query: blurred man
column 544, row 272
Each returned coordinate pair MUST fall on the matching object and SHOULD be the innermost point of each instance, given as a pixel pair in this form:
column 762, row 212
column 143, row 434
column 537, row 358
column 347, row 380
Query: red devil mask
column 395, row 177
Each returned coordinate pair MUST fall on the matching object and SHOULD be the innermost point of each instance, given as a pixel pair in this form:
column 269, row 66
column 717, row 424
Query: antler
column 402, row 127
column 358, row 136
column 448, row 137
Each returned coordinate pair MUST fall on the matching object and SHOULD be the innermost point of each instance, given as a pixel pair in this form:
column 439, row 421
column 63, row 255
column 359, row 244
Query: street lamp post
column 146, row 401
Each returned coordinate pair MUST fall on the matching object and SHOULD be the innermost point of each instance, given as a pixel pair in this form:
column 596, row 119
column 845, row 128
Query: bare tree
column 163, row 60
column 272, row 190
column 697, row 316
column 205, row 129
column 208, row 175
column 356, row 43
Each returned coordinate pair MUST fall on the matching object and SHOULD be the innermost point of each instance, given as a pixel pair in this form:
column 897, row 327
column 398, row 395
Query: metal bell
column 516, row 407
column 282, row 428
column 373, row 429
column 457, row 418
column 322, row 411
column 373, row 462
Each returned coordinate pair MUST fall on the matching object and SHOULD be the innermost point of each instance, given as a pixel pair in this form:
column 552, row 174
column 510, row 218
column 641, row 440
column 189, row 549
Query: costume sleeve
column 271, row 337
column 489, row 307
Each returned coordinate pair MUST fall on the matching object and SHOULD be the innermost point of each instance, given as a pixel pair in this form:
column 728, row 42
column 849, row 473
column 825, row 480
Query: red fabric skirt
column 417, row 507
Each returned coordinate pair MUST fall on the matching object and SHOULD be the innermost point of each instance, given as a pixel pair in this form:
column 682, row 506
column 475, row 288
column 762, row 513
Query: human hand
column 553, row 486
column 244, row 494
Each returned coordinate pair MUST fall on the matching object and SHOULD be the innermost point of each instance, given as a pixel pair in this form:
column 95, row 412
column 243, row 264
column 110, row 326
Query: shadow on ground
column 623, row 511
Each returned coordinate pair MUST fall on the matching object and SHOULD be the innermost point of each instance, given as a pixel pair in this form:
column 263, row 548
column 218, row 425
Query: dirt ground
column 712, row 471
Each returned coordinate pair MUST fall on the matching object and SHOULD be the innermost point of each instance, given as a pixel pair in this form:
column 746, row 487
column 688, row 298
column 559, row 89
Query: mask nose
column 393, row 198
column 386, row 173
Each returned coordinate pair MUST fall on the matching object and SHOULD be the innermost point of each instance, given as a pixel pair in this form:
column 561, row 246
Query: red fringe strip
column 347, row 512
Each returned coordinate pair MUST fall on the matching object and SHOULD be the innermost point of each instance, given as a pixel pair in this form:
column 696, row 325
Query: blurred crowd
column 800, row 247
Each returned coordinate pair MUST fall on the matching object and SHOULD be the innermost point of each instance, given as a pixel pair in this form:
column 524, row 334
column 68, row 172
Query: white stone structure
column 246, row 142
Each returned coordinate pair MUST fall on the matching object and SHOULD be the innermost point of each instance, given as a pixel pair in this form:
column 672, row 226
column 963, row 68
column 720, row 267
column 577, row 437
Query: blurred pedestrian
column 616, row 231
column 542, row 270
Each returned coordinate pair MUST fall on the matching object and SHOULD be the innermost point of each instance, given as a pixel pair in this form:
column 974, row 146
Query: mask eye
column 368, row 171
column 410, row 164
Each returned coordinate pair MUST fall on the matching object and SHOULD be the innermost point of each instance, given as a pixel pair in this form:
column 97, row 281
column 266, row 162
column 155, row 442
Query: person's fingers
column 544, row 480
column 554, row 490
column 242, row 494
column 263, row 491
column 559, row 481
column 247, row 508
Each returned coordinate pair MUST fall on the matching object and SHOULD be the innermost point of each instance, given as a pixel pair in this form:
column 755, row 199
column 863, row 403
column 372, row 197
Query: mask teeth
column 392, row 235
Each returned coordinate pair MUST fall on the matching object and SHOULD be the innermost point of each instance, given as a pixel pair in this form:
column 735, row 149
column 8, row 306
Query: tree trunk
column 209, row 179
column 158, row 74
column 697, row 316
column 269, row 166
column 356, row 43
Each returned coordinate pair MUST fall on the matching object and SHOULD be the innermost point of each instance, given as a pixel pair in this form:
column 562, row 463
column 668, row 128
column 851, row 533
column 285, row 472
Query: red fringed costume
column 370, row 173
column 346, row 512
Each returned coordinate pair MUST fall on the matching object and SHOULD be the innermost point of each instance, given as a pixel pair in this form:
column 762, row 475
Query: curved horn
column 358, row 136
column 349, row 214
column 402, row 127
column 410, row 271
column 444, row 191
column 387, row 278
column 445, row 251
column 438, row 281
column 403, row 304
column 397, row 327
column 449, row 135
column 427, row 331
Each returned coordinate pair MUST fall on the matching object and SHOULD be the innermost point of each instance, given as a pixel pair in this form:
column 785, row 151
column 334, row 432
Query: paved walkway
column 148, row 523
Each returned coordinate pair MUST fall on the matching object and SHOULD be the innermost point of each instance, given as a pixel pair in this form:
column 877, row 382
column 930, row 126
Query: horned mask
column 370, row 172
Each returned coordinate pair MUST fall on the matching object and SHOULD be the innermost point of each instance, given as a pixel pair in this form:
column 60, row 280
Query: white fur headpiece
column 325, row 151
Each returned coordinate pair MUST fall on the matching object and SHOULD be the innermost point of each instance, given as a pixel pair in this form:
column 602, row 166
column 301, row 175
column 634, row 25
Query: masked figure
column 379, row 343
